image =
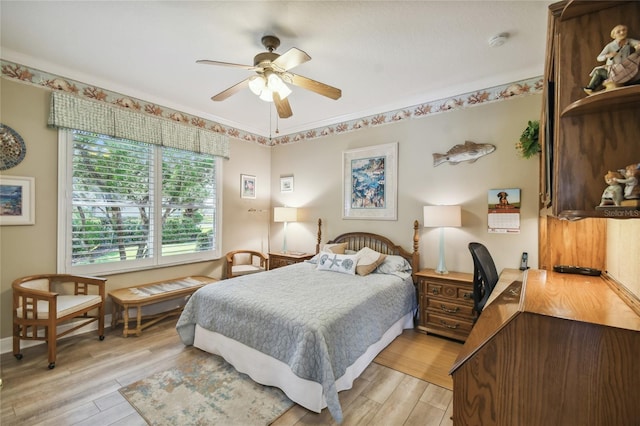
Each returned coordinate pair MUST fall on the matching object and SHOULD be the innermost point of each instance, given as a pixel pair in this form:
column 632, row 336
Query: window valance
column 72, row 112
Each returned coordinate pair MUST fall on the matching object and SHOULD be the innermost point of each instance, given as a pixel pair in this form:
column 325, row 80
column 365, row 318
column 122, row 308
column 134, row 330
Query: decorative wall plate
column 12, row 148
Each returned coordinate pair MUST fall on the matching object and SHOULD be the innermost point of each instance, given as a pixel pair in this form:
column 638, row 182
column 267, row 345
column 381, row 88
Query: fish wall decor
column 469, row 151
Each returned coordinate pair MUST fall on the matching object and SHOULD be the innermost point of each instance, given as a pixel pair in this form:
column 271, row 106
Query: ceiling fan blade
column 231, row 90
column 290, row 59
column 226, row 64
column 282, row 106
column 314, row 86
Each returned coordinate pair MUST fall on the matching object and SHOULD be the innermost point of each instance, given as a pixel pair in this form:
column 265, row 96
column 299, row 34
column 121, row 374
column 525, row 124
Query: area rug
column 205, row 391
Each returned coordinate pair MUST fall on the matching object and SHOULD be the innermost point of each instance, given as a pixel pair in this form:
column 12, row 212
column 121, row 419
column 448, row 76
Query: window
column 129, row 205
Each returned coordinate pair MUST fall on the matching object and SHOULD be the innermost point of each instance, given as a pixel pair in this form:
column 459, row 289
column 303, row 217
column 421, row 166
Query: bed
column 306, row 328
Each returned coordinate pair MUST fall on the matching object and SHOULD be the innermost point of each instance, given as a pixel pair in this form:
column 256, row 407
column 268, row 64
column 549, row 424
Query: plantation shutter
column 112, row 200
column 188, row 202
column 134, row 203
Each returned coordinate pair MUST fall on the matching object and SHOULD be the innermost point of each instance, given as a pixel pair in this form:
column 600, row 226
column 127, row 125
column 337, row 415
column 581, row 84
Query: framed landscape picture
column 370, row 182
column 17, row 200
column 247, row 186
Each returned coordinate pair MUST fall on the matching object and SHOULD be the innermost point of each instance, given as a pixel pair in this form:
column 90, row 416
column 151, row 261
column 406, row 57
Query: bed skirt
column 272, row 372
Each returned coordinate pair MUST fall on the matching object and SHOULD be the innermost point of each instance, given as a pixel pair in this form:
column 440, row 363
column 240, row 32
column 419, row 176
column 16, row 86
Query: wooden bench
column 147, row 294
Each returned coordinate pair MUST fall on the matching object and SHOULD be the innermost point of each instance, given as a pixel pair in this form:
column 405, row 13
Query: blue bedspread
column 317, row 322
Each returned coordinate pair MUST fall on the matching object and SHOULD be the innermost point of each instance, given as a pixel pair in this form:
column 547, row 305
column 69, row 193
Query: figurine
column 612, row 193
column 613, row 53
column 631, row 175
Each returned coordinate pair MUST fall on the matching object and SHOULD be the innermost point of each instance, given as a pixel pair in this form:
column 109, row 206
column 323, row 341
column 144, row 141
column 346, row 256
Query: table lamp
column 441, row 217
column 285, row 214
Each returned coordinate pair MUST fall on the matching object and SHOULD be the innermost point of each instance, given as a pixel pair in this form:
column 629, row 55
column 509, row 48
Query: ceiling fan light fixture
column 275, row 83
column 273, row 78
column 284, row 91
column 257, row 84
column 266, row 95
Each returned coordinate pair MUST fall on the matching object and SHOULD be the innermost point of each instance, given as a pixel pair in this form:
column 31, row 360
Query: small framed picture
column 247, row 186
column 286, row 184
column 17, row 200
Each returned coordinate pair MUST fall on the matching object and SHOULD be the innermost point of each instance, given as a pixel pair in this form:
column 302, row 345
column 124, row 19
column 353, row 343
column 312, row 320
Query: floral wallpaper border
column 36, row 77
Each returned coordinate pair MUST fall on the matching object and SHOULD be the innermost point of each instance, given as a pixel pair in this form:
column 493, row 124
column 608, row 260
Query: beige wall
column 317, row 169
column 26, row 250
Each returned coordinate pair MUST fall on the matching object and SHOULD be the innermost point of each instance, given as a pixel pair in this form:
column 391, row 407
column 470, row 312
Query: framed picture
column 17, row 200
column 247, row 186
column 286, row 184
column 370, row 182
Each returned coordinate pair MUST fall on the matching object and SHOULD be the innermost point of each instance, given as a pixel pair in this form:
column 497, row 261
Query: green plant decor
column 529, row 145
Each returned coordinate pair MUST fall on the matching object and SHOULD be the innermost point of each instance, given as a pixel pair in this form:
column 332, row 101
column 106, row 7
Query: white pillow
column 368, row 260
column 343, row 263
column 392, row 264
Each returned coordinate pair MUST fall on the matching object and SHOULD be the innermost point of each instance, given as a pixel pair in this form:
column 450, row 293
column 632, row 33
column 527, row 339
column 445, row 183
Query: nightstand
column 446, row 303
column 278, row 260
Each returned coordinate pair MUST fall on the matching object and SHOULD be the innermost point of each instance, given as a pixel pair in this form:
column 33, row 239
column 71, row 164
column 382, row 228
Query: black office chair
column 485, row 275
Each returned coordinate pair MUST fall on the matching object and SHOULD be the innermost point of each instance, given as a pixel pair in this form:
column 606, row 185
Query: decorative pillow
column 350, row 251
column 335, row 248
column 368, row 260
column 393, row 263
column 343, row 263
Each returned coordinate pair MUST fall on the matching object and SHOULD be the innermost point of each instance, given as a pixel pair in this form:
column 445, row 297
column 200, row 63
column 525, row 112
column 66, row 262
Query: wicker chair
column 243, row 262
column 36, row 297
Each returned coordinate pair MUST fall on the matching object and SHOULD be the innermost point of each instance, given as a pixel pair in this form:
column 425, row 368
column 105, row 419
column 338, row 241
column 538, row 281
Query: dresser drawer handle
column 468, row 296
column 449, row 310
column 435, row 291
column 444, row 323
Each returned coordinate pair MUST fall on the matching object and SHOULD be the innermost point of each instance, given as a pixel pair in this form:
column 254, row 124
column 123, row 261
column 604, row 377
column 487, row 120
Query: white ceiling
column 384, row 55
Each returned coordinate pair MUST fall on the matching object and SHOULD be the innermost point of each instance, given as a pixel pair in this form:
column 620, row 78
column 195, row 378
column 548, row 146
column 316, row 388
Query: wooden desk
column 147, row 294
column 550, row 349
column 507, row 276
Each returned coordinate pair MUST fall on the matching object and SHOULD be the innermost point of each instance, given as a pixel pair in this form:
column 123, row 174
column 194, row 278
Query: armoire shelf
column 605, row 100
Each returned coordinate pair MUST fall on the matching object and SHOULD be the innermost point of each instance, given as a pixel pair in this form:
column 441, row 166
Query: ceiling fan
column 272, row 72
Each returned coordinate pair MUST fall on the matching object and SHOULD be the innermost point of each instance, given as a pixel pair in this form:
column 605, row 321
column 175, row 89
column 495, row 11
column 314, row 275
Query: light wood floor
column 83, row 388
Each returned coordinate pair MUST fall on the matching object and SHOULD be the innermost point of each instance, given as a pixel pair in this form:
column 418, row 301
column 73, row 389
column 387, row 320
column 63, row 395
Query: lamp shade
column 285, row 214
column 440, row 216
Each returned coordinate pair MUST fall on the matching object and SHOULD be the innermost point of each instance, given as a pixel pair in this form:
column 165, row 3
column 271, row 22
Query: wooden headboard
column 358, row 240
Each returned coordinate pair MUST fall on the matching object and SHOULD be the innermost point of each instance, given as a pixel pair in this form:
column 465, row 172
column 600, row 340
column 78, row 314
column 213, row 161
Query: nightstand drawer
column 459, row 293
column 449, row 308
column 451, row 324
column 278, row 260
